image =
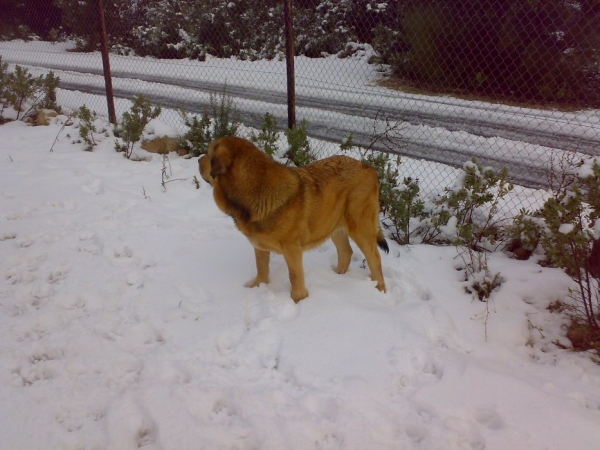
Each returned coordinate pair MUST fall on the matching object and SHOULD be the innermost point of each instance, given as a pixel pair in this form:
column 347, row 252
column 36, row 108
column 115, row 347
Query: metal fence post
column 112, row 116
column 289, row 61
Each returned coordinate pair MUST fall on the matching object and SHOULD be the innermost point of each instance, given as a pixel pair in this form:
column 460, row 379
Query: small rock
column 164, row 145
column 44, row 116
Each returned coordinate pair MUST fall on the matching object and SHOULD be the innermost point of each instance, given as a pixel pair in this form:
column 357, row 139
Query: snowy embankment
column 125, row 325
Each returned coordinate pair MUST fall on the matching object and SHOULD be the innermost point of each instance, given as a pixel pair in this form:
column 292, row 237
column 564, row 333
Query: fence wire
column 512, row 83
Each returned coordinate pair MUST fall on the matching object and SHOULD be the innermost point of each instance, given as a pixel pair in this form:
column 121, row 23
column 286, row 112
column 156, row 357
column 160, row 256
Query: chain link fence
column 512, row 83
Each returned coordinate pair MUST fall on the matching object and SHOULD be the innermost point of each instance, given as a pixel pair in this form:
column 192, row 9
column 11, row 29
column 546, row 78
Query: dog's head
column 217, row 161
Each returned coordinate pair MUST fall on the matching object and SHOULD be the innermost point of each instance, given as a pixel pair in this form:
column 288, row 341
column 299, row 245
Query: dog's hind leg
column 293, row 259
column 262, row 268
column 368, row 245
column 344, row 250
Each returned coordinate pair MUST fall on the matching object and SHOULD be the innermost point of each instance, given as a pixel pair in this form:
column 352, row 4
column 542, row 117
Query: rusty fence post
column 289, row 61
column 112, row 116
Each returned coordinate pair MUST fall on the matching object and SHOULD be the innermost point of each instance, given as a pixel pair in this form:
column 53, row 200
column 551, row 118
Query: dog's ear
column 220, row 161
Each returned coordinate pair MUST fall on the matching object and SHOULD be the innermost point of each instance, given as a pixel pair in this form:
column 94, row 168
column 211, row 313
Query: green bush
column 474, row 201
column 534, row 52
column 268, row 136
column 23, row 86
column 49, row 85
column 224, row 114
column 424, row 61
column 4, row 87
column 407, row 211
column 220, row 119
column 320, row 32
column 388, row 43
column 471, row 207
column 198, row 136
column 87, row 127
column 133, row 124
column 27, row 93
column 524, row 234
column 567, row 228
column 570, row 232
column 299, row 151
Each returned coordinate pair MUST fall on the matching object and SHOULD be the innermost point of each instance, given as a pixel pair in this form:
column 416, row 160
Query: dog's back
column 342, row 192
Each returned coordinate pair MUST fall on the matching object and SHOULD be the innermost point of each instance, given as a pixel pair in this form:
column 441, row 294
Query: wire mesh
column 512, row 83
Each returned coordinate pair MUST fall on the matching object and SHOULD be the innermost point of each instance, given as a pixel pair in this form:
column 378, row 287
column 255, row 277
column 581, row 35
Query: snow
column 586, row 169
column 450, row 229
column 158, row 128
column 566, row 228
column 125, row 325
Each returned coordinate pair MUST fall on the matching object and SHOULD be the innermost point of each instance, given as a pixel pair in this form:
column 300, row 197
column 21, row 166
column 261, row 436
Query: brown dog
column 288, row 210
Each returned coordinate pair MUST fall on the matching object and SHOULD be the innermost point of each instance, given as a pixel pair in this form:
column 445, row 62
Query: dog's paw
column 255, row 282
column 340, row 270
column 299, row 294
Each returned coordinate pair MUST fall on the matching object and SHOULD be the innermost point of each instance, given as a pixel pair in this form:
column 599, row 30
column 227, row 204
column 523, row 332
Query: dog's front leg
column 262, row 268
column 293, row 259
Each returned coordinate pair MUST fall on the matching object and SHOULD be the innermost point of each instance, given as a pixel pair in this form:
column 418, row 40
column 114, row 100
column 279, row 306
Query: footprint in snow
column 403, row 285
column 89, row 243
column 23, row 269
column 19, row 276
column 143, row 334
column 228, row 340
column 7, row 235
column 23, row 214
column 37, row 366
column 122, row 252
column 121, row 255
column 330, row 441
column 25, row 242
column 413, row 367
column 194, row 300
column 225, row 412
column 490, row 418
column 130, row 426
column 93, row 187
column 135, row 279
column 57, row 275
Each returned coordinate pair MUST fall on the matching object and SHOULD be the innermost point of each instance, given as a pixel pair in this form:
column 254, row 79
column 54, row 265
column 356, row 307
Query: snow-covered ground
column 124, row 324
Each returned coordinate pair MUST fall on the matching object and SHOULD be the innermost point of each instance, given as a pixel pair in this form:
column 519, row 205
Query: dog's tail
column 382, row 243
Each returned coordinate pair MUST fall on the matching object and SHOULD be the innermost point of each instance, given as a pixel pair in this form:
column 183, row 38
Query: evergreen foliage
column 539, row 52
column 224, row 114
column 220, row 119
column 268, row 136
column 133, row 123
column 26, row 93
column 198, row 136
column 87, row 126
column 299, row 151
